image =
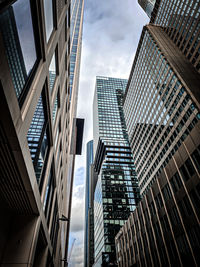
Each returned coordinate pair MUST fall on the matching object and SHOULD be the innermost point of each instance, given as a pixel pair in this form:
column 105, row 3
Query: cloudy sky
column 111, row 31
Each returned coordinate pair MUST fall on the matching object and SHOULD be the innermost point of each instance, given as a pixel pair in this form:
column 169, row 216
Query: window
column 38, row 139
column 176, row 182
column 190, row 167
column 19, row 40
column 184, row 173
column 48, row 13
column 196, row 158
column 52, row 72
column 48, row 199
column 54, row 227
column 56, row 106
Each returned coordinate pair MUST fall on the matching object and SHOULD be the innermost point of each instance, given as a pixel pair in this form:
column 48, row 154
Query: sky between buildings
column 111, row 31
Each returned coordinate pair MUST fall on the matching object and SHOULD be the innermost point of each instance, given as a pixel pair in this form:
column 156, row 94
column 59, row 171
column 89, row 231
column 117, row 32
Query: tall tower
column 116, row 193
column 148, row 6
column 39, row 132
column 181, row 23
column 89, row 161
column 162, row 112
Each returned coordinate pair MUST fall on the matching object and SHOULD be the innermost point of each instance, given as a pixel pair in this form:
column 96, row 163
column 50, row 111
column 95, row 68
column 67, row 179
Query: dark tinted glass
column 17, row 31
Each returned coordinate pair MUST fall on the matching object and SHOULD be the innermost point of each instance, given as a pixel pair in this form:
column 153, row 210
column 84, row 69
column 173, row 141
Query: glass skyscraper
column 148, row 6
column 89, row 161
column 116, row 192
column 76, row 27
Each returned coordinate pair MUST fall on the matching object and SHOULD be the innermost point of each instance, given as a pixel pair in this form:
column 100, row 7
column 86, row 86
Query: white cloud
column 111, row 32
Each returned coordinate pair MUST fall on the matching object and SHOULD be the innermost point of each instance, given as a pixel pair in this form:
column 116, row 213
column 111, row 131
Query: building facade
column 148, row 6
column 181, row 21
column 36, row 125
column 162, row 112
column 89, row 161
column 164, row 229
column 161, row 115
column 116, row 193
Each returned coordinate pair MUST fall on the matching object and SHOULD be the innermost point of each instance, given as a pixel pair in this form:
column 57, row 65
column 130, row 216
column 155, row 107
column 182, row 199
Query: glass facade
column 117, row 192
column 18, row 35
column 38, row 139
column 76, row 39
column 48, row 14
column 148, row 6
column 52, row 72
column 89, row 161
column 159, row 110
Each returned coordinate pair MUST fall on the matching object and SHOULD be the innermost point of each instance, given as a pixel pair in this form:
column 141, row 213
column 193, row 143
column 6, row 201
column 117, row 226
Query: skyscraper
column 162, row 112
column 148, row 6
column 180, row 20
column 76, row 28
column 116, row 192
column 39, row 132
column 161, row 104
column 89, row 161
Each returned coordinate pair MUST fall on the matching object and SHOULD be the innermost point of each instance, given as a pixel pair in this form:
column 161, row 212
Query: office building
column 148, row 6
column 76, row 28
column 164, row 229
column 162, row 112
column 93, row 183
column 161, row 105
column 39, row 132
column 181, row 21
column 116, row 193
column 89, row 161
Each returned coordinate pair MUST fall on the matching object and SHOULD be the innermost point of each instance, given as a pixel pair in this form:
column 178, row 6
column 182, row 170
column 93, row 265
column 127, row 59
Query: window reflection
column 38, row 140
column 52, row 72
column 48, row 13
column 17, row 31
column 56, row 106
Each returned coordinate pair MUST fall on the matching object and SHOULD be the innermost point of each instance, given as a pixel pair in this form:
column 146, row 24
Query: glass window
column 52, row 72
column 18, row 36
column 38, row 139
column 56, row 106
column 47, row 206
column 196, row 158
column 48, row 13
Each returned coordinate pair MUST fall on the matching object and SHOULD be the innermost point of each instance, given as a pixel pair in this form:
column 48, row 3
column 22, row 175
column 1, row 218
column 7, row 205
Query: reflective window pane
column 17, row 31
column 55, row 108
column 38, row 140
column 52, row 72
column 48, row 13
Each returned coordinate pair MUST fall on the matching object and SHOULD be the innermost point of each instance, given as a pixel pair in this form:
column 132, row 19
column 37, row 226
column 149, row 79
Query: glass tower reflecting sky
column 116, row 193
column 147, row 5
column 76, row 25
column 89, row 161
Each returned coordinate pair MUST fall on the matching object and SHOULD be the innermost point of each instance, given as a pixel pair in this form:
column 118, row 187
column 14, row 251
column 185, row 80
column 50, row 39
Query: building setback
column 116, row 193
column 37, row 123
